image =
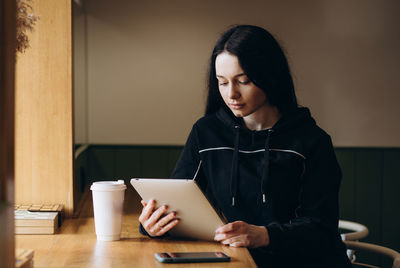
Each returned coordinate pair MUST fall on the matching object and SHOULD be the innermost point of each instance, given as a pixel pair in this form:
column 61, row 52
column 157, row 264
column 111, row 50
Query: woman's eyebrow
column 236, row 75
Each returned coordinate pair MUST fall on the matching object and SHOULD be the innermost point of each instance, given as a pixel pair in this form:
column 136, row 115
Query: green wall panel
column 81, row 176
column 173, row 156
column 128, row 163
column 368, row 195
column 125, row 162
column 155, row 162
column 368, row 190
column 391, row 199
column 102, row 163
column 346, row 159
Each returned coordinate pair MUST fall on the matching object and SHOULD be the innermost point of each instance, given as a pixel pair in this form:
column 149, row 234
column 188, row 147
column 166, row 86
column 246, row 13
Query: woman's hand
column 241, row 234
column 155, row 222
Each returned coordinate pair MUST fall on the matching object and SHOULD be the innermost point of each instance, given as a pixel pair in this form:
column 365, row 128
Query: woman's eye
column 223, row 83
column 244, row 82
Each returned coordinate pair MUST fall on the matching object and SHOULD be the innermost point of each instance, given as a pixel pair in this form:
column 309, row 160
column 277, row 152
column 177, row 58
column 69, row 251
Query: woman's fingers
column 151, row 225
column 224, row 236
column 164, row 224
column 147, row 211
column 242, row 235
column 159, row 224
column 235, row 234
column 221, row 237
column 223, row 229
column 157, row 214
column 237, row 244
column 154, row 222
column 237, row 241
column 229, row 227
column 229, row 230
column 164, row 220
column 168, row 227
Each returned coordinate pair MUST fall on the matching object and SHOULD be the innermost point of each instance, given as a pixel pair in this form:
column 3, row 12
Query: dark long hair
column 262, row 60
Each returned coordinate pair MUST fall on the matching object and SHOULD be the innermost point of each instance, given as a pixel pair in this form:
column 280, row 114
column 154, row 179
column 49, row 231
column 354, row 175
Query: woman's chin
column 238, row 113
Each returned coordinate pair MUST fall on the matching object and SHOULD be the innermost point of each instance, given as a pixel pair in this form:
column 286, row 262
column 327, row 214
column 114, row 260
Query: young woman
column 269, row 167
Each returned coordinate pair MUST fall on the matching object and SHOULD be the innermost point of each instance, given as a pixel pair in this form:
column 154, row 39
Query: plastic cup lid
column 108, row 186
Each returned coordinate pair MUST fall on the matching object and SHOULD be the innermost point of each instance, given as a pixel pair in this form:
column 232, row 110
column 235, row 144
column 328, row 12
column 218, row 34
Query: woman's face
column 238, row 92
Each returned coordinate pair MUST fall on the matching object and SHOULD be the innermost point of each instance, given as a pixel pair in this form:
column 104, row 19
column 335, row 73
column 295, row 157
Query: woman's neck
column 265, row 117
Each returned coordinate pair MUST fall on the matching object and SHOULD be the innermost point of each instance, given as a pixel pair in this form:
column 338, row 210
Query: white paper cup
column 108, row 200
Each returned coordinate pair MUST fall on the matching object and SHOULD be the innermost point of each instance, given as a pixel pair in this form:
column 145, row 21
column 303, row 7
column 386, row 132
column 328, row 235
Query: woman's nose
column 233, row 93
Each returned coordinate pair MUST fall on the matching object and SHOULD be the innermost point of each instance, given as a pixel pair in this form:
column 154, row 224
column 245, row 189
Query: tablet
column 198, row 218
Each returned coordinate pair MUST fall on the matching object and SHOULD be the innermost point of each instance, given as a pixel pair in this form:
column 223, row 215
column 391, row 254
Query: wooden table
column 75, row 245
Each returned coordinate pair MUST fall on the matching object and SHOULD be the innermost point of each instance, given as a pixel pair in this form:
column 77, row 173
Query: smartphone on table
column 176, row 257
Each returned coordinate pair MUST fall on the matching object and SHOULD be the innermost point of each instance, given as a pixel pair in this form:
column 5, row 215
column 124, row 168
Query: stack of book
column 37, row 219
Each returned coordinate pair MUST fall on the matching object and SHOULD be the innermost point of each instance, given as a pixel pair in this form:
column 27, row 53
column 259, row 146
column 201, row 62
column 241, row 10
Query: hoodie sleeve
column 189, row 159
column 314, row 229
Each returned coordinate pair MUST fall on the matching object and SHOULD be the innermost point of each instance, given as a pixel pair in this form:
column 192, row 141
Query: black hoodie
column 285, row 178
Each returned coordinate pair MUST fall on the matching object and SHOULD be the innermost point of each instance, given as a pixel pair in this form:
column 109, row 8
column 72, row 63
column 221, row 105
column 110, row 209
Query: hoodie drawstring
column 265, row 176
column 235, row 164
column 235, row 171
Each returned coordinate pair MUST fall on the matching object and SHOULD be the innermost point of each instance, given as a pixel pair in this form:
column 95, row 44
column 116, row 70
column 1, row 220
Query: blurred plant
column 25, row 21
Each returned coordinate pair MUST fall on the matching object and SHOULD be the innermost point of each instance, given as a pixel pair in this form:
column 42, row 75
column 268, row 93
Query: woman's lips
column 236, row 106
